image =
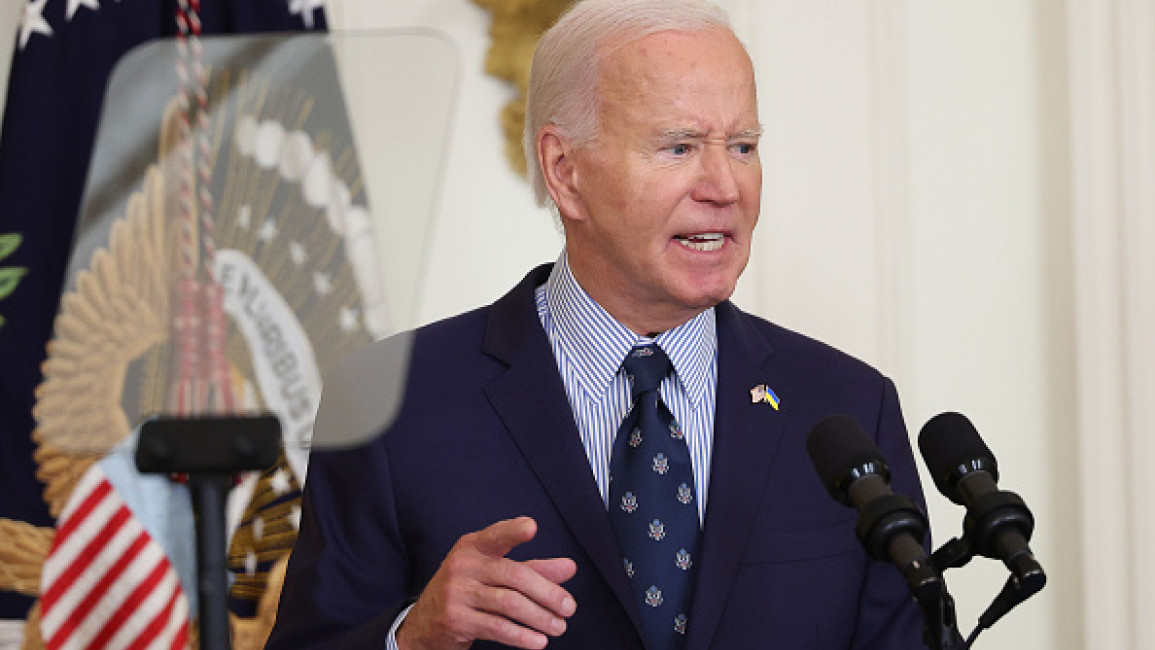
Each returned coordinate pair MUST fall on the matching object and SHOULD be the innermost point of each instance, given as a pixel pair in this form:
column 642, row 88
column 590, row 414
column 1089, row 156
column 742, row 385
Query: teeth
column 705, row 242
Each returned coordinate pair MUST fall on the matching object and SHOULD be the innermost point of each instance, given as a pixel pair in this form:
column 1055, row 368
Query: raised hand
column 479, row 594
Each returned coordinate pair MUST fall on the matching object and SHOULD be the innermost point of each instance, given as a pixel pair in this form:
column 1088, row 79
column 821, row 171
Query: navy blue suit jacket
column 484, row 433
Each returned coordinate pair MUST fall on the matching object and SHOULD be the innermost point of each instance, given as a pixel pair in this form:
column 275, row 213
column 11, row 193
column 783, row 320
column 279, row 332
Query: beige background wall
column 959, row 193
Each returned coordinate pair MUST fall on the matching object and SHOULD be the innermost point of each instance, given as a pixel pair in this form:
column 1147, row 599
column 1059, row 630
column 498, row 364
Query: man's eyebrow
column 682, row 134
column 698, row 134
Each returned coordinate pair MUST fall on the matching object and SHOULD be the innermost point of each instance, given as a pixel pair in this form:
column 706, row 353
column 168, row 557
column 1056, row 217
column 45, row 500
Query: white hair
column 564, row 75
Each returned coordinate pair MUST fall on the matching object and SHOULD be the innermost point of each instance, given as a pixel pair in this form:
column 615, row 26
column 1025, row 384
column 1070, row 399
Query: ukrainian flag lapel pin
column 765, row 394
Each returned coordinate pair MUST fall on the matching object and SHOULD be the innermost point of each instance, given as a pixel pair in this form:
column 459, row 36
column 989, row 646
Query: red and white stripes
column 106, row 583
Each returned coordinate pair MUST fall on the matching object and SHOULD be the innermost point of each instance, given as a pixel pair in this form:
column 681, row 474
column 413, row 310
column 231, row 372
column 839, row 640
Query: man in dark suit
column 481, row 512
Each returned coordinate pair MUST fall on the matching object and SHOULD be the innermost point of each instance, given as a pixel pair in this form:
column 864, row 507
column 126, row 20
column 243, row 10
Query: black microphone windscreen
column 948, row 441
column 837, row 445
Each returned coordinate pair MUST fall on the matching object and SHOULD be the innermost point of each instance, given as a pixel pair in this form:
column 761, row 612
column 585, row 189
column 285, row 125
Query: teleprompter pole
column 210, row 450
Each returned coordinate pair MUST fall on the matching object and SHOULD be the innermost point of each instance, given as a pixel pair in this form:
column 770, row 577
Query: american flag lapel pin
column 764, row 394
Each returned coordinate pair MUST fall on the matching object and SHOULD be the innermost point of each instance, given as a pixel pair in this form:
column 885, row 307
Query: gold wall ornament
column 516, row 26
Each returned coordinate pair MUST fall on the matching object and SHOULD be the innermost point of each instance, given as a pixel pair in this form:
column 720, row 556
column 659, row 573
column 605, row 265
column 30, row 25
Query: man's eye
column 744, row 148
column 680, row 149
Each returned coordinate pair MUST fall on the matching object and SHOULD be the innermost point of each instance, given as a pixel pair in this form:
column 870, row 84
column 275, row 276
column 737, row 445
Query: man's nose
column 717, row 182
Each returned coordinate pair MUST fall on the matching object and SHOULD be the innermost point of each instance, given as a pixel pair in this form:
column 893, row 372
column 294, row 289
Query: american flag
column 106, row 583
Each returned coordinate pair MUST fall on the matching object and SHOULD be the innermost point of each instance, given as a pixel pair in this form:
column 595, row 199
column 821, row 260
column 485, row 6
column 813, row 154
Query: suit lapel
column 746, row 436
column 530, row 399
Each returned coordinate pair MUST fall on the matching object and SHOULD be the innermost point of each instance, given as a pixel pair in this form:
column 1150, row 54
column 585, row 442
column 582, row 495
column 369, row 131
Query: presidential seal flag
column 64, row 50
column 240, row 263
column 117, row 318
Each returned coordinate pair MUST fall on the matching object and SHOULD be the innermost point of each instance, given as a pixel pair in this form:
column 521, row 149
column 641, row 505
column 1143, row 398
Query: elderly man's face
column 666, row 197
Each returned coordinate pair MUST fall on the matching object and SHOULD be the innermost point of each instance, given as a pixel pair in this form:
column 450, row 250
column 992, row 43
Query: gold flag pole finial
column 516, row 26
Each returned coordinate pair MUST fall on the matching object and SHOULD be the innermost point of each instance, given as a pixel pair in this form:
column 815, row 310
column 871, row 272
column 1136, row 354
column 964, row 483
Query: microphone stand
column 940, row 626
column 210, row 450
column 981, row 529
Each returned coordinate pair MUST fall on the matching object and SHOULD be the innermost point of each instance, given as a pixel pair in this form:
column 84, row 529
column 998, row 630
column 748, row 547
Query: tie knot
column 648, row 365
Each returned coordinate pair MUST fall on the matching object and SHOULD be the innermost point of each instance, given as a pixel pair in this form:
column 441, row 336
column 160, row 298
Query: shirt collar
column 596, row 343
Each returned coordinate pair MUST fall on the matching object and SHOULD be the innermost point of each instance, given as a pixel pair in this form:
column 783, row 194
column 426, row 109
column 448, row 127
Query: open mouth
column 705, row 242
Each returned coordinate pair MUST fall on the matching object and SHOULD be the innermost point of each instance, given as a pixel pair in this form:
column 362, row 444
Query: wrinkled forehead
column 637, row 57
column 646, row 73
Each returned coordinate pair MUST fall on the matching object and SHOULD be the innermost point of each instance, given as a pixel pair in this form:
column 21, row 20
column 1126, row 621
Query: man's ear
column 555, row 156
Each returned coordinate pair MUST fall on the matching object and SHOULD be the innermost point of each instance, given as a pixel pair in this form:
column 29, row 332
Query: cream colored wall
column 960, row 194
column 990, row 330
column 1112, row 105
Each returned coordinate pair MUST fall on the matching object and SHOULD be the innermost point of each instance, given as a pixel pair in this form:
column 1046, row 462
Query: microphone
column 890, row 526
column 998, row 524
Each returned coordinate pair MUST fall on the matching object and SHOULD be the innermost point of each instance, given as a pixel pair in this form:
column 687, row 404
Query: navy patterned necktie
column 652, row 504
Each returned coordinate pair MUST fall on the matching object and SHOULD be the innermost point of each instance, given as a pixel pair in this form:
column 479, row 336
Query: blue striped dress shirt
column 589, row 346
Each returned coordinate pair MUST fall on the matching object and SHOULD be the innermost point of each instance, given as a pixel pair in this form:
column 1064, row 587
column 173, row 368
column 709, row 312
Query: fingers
column 499, row 539
column 556, row 570
column 479, row 594
column 523, row 579
column 511, row 614
column 523, row 589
